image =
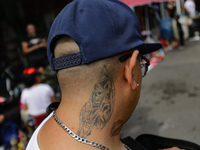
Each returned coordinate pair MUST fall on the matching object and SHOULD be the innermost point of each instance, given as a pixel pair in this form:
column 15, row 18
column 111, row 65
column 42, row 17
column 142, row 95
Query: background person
column 190, row 7
column 36, row 96
column 9, row 122
column 180, row 31
column 34, row 47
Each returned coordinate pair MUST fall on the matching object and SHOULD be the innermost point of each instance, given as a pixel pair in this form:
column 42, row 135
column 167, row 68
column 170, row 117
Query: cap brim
column 147, row 48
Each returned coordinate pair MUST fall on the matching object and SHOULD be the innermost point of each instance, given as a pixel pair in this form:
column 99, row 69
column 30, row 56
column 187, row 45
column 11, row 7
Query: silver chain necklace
column 78, row 138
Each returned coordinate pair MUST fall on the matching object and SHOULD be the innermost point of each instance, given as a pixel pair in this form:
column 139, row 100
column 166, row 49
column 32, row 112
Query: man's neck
column 108, row 136
column 76, row 116
column 91, row 113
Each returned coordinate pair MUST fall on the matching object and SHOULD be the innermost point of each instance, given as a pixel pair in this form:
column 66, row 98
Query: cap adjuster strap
column 67, row 61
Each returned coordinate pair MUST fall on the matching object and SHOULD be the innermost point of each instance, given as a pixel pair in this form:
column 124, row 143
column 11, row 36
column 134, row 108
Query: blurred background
column 164, row 21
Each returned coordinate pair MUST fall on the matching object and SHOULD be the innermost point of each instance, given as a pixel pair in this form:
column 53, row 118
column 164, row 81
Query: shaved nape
column 65, row 45
column 70, row 78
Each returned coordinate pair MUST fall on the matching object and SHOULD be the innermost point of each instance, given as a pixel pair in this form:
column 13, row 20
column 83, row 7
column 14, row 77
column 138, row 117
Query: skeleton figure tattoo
column 98, row 110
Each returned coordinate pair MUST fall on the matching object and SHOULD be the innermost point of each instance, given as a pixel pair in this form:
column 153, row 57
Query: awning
column 160, row 1
column 136, row 2
column 141, row 2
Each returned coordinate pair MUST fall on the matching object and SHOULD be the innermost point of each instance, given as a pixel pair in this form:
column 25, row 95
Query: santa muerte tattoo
column 98, row 110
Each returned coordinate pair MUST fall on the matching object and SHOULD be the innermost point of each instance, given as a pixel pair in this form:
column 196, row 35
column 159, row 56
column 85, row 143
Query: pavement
column 169, row 104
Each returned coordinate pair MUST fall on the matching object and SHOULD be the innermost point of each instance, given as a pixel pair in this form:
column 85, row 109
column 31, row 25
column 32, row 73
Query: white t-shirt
column 33, row 144
column 37, row 98
column 190, row 5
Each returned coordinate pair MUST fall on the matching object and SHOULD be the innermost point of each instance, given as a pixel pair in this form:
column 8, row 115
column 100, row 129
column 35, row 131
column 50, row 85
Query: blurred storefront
column 157, row 24
column 17, row 13
column 155, row 14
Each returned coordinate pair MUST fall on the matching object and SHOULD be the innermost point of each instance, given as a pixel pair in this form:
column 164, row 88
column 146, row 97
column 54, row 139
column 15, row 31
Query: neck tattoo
column 78, row 138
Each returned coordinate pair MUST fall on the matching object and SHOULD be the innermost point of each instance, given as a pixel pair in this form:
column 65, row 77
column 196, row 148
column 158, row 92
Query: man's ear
column 129, row 69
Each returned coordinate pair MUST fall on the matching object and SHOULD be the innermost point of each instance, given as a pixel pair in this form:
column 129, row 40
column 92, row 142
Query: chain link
column 128, row 148
column 75, row 136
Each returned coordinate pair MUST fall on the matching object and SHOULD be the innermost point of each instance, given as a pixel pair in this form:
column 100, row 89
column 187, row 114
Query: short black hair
column 29, row 80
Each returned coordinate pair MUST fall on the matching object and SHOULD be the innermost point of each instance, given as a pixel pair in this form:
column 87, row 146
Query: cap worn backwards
column 101, row 28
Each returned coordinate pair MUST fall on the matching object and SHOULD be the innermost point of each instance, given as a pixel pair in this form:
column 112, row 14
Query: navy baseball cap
column 101, row 28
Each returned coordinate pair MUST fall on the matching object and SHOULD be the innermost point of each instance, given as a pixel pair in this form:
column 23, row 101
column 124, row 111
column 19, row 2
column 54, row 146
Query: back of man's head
column 99, row 90
column 86, row 39
column 101, row 29
column 82, row 76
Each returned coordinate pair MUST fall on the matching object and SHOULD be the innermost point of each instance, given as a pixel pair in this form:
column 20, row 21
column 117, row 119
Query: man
column 96, row 48
column 190, row 10
column 34, row 47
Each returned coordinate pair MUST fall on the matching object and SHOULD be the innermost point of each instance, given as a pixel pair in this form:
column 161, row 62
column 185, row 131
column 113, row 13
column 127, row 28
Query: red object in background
column 29, row 71
column 163, row 42
column 136, row 2
column 39, row 119
column 141, row 2
column 2, row 99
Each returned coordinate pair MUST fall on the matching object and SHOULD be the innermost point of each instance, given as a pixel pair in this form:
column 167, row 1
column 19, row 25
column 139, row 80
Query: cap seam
column 111, row 17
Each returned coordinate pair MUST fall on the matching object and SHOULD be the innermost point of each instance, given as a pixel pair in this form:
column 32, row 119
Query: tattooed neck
column 97, row 111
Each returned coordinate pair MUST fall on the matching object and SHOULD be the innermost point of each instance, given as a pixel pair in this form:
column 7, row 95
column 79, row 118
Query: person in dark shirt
column 34, row 47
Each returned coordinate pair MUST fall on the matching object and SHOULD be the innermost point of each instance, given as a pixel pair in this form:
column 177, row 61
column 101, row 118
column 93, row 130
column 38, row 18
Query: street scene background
column 170, row 96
